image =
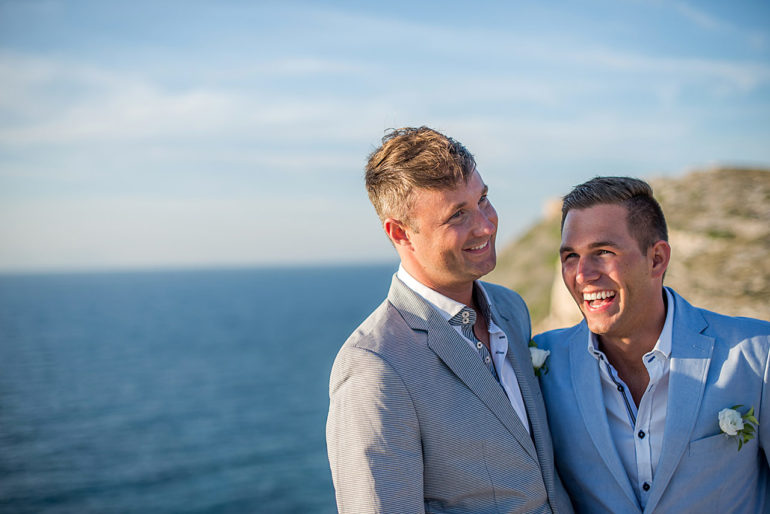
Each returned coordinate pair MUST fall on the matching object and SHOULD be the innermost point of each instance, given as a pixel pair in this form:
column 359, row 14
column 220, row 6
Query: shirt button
column 641, row 434
column 487, row 360
column 620, row 388
column 479, row 345
column 646, row 486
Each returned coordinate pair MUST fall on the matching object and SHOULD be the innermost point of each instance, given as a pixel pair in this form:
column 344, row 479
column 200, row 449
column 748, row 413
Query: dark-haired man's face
column 611, row 279
column 452, row 236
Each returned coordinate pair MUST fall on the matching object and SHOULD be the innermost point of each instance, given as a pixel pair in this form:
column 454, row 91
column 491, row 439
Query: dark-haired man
column 640, row 394
column 434, row 404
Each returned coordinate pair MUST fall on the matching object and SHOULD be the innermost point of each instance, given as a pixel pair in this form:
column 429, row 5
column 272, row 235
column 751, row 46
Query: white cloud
column 742, row 76
column 704, row 20
column 309, row 66
column 111, row 105
column 699, row 17
column 103, row 105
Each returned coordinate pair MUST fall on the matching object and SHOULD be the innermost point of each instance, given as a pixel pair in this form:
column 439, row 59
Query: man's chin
column 598, row 326
column 490, row 262
column 486, row 270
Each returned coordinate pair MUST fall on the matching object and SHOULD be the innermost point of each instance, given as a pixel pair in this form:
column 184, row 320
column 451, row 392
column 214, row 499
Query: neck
column 463, row 295
column 458, row 291
column 630, row 349
column 626, row 353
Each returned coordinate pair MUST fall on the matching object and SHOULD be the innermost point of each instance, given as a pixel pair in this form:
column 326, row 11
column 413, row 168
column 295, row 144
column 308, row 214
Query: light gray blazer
column 417, row 423
column 716, row 362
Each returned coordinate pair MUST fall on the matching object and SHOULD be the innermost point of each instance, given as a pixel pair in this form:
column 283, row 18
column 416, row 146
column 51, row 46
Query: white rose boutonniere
column 538, row 357
column 733, row 424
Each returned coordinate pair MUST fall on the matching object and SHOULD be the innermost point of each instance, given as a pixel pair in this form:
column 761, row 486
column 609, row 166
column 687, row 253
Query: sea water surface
column 160, row 392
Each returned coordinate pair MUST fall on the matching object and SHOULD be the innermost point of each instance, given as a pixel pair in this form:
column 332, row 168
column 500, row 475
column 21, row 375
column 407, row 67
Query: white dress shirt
column 498, row 341
column 638, row 433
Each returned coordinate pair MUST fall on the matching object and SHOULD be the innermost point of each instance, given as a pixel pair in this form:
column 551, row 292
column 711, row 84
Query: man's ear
column 397, row 231
column 660, row 255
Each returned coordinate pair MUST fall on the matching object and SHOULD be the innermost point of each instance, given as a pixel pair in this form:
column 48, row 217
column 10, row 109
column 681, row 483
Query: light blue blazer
column 417, row 423
column 716, row 362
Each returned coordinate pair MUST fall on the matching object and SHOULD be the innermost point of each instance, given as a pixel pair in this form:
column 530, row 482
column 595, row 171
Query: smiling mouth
column 478, row 248
column 598, row 299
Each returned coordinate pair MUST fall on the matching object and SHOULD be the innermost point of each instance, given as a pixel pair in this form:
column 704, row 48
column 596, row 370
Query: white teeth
column 601, row 295
column 480, row 246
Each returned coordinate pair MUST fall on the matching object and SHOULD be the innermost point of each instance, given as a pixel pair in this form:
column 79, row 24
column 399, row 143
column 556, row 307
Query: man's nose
column 586, row 270
column 486, row 223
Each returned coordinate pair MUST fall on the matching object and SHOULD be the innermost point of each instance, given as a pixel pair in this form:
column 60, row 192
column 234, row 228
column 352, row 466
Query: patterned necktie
column 465, row 320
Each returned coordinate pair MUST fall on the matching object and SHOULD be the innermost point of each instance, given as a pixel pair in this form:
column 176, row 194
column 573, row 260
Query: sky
column 188, row 134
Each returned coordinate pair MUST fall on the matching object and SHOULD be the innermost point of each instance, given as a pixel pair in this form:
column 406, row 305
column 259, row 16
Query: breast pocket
column 726, row 477
column 712, row 445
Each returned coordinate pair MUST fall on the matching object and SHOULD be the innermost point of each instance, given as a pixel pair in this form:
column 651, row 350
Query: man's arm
column 373, row 437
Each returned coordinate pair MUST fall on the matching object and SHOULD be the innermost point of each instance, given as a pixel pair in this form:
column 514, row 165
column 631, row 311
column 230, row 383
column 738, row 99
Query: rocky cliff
column 719, row 230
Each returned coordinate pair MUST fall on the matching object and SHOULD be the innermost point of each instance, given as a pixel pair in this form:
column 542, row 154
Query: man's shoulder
column 499, row 291
column 383, row 345
column 559, row 339
column 511, row 307
column 503, row 298
column 721, row 325
column 381, row 331
column 740, row 324
column 557, row 383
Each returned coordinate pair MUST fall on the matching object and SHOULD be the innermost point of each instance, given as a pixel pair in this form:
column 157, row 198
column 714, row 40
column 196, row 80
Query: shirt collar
column 666, row 335
column 443, row 304
column 662, row 345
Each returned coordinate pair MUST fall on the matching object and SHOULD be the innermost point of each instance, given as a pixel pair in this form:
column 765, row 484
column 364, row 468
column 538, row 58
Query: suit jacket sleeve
column 373, row 437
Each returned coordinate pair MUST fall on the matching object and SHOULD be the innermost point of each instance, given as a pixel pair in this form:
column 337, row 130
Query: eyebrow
column 597, row 244
column 460, row 205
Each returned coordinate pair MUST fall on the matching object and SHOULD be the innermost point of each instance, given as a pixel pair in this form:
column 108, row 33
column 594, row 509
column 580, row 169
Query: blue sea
column 161, row 392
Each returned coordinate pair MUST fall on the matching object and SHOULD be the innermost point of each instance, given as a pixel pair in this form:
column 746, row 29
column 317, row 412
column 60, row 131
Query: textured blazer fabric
column 417, row 423
column 716, row 362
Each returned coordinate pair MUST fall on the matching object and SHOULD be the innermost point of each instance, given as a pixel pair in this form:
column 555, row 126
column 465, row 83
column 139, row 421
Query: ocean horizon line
column 182, row 268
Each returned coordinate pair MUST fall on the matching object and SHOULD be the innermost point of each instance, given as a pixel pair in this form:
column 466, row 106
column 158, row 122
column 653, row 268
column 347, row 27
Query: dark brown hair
column 644, row 217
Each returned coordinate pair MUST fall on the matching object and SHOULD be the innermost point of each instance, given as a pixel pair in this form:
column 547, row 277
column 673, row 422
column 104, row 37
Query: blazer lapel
column 519, row 357
column 586, row 382
column 459, row 357
column 690, row 361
